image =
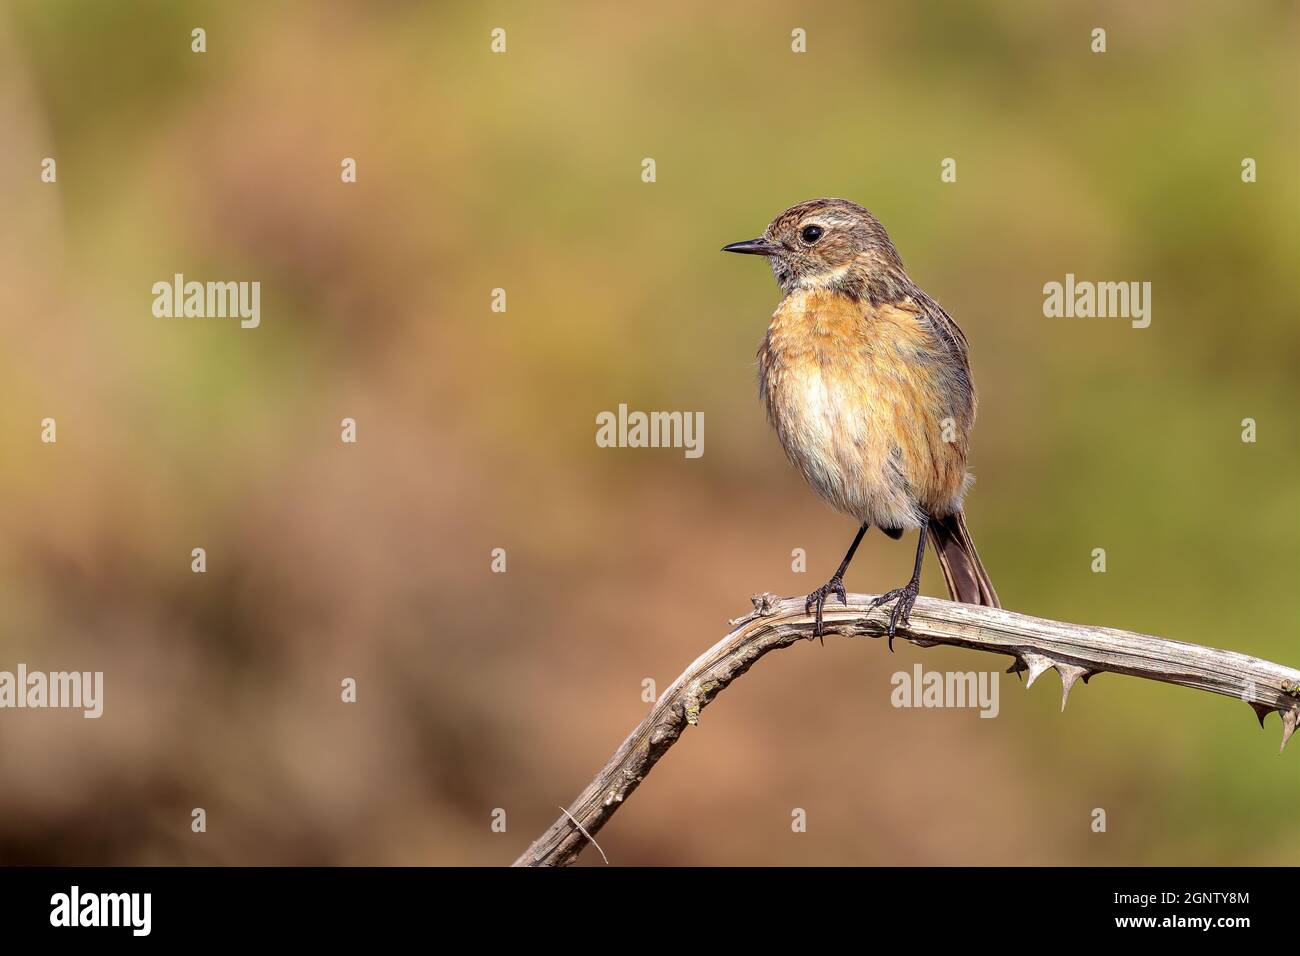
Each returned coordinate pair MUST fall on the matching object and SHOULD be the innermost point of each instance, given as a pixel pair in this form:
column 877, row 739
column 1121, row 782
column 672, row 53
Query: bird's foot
column 834, row 586
column 904, row 598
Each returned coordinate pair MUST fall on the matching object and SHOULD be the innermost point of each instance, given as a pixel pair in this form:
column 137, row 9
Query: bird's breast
column 858, row 403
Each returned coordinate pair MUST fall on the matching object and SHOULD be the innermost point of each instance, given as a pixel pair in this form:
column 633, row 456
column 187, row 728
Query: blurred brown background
column 476, row 429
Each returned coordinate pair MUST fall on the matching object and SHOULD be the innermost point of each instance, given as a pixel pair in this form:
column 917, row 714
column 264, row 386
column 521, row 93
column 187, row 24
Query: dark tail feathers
column 968, row 582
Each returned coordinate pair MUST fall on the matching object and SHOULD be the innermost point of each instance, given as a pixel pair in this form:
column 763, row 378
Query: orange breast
column 862, row 403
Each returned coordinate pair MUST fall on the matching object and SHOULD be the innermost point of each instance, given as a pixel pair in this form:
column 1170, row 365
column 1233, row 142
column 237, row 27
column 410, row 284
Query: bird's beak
column 753, row 247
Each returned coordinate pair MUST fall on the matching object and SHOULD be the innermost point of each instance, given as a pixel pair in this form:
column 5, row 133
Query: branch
column 1076, row 651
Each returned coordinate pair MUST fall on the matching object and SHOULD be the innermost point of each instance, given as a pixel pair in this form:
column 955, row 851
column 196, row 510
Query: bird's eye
column 811, row 234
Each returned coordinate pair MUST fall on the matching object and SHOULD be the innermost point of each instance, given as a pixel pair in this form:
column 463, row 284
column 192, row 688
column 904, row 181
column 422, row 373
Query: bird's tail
column 968, row 582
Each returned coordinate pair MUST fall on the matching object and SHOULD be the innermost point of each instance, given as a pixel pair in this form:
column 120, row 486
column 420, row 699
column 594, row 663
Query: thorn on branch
column 1069, row 674
column 1261, row 711
column 1036, row 664
column 1288, row 726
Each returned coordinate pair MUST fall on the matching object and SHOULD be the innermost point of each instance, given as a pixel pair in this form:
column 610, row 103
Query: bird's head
column 830, row 244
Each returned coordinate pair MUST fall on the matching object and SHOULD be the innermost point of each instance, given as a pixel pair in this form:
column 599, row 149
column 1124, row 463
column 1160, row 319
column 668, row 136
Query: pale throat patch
column 822, row 279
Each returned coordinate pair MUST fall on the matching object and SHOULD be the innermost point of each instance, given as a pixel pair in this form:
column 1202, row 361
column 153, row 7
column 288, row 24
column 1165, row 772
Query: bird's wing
column 949, row 352
column 941, row 325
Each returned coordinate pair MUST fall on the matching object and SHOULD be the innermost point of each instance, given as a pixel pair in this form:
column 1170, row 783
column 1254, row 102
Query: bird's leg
column 834, row 586
column 905, row 596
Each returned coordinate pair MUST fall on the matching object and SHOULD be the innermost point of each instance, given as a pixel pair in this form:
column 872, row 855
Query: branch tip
column 764, row 606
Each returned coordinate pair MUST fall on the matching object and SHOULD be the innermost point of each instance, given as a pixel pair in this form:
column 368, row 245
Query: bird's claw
column 818, row 598
column 905, row 599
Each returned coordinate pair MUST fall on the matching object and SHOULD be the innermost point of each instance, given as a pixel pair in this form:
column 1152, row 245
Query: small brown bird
column 866, row 381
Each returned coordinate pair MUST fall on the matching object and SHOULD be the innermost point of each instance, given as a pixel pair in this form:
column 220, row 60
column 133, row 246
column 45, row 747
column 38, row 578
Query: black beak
column 753, row 247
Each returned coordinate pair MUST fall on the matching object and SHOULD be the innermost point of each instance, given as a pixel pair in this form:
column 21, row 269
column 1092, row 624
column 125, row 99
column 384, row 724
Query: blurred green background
column 476, row 429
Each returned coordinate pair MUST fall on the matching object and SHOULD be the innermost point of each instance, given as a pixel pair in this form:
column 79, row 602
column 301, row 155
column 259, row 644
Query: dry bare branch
column 1036, row 644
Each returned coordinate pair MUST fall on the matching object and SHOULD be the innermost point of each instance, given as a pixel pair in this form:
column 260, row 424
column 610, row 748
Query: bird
column 867, row 382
